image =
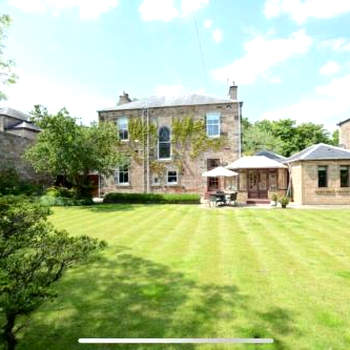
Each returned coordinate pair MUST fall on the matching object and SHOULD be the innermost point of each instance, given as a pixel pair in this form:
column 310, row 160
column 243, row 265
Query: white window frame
column 167, row 177
column 123, row 129
column 117, row 177
column 211, row 114
column 169, row 158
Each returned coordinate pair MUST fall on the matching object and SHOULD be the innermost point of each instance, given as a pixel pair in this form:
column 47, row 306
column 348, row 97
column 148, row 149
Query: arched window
column 164, row 143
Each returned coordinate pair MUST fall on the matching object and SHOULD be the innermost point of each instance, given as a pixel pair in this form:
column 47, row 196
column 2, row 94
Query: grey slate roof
column 25, row 125
column 13, row 113
column 343, row 122
column 320, row 151
column 271, row 155
column 164, row 101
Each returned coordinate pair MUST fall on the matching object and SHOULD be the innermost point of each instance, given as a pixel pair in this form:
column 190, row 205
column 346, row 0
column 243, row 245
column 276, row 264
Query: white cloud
column 338, row 44
column 300, row 10
column 327, row 104
column 262, row 54
column 166, row 10
column 330, row 68
column 88, row 9
column 190, row 6
column 208, row 23
column 217, row 35
column 158, row 10
column 54, row 94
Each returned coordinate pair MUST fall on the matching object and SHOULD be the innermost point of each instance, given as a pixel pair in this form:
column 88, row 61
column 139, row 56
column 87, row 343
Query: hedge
column 168, row 198
column 50, row 201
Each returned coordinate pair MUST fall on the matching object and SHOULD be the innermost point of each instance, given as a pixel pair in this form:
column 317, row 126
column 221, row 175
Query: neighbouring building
column 17, row 133
column 221, row 118
column 320, row 174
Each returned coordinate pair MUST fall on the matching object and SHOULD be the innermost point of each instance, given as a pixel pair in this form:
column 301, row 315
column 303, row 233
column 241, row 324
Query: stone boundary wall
column 12, row 148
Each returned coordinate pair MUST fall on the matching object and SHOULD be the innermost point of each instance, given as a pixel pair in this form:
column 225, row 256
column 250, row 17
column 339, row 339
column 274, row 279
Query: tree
column 6, row 74
column 73, row 151
column 284, row 136
column 256, row 139
column 33, row 256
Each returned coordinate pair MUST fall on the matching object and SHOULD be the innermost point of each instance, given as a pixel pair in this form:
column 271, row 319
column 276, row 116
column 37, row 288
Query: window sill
column 172, row 184
column 123, row 185
column 214, row 136
column 165, row 159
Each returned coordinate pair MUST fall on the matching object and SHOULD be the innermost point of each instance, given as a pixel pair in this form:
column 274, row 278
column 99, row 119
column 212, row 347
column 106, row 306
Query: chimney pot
column 233, row 91
column 124, row 99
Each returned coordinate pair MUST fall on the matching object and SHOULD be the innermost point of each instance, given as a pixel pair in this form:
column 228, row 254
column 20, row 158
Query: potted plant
column 274, row 199
column 284, row 202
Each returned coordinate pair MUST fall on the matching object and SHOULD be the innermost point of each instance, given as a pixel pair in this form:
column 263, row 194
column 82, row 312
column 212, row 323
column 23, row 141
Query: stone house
column 221, row 117
column 17, row 133
column 320, row 174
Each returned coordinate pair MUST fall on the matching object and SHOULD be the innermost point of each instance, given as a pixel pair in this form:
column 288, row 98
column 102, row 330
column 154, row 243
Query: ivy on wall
column 188, row 138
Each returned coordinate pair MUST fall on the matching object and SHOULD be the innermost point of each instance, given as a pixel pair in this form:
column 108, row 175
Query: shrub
column 284, row 201
column 12, row 184
column 274, row 197
column 51, row 201
column 61, row 191
column 168, row 198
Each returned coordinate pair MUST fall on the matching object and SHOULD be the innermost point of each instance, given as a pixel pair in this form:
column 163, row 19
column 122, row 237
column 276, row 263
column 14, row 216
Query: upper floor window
column 344, row 176
column 322, row 176
column 123, row 128
column 213, row 124
column 122, row 175
column 164, row 145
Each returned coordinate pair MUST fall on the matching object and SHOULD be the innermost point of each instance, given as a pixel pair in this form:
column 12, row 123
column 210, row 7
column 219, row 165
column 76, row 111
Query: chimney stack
column 124, row 99
column 233, row 91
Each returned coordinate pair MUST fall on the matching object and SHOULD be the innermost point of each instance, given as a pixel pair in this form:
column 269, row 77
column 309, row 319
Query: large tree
column 33, row 256
column 6, row 65
column 284, row 136
column 65, row 148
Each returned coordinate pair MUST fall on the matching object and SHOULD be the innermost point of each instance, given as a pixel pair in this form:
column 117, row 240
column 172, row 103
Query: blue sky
column 290, row 58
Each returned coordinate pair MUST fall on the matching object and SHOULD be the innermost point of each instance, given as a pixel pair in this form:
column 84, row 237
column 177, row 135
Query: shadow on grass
column 125, row 296
column 106, row 208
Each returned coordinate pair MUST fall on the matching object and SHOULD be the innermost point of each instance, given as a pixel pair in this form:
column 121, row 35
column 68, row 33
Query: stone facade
column 344, row 134
column 190, row 180
column 12, row 148
column 305, row 183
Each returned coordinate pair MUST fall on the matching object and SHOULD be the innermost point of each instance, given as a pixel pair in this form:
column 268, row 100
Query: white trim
column 167, row 178
column 219, row 124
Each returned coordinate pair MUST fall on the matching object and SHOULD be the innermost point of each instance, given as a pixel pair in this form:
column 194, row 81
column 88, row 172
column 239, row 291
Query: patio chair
column 233, row 198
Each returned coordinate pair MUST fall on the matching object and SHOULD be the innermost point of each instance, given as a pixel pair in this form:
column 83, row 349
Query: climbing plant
column 138, row 131
column 189, row 137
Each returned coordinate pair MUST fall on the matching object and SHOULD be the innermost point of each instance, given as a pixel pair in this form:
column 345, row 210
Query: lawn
column 185, row 271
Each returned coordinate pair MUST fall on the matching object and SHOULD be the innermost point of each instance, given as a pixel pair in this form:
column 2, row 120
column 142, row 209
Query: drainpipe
column 240, row 129
column 147, row 153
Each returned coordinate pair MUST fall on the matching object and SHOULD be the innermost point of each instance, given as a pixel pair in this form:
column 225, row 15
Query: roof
column 25, row 125
column 343, row 122
column 165, row 101
column 255, row 162
column 219, row 171
column 13, row 113
column 271, row 155
column 321, row 151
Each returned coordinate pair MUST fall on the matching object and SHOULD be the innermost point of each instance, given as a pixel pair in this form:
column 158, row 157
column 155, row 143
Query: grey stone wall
column 190, row 180
column 12, row 148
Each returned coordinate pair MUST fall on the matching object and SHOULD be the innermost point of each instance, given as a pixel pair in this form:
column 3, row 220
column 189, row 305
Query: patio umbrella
column 219, row 171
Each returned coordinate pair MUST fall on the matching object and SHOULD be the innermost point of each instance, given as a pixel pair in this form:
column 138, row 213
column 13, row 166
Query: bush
column 170, row 198
column 12, row 184
column 284, row 201
column 51, row 201
column 61, row 191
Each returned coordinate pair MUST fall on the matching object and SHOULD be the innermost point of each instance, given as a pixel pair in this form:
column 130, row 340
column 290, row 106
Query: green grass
column 185, row 271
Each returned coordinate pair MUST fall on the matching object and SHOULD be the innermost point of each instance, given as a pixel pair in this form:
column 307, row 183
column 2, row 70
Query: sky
column 289, row 58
